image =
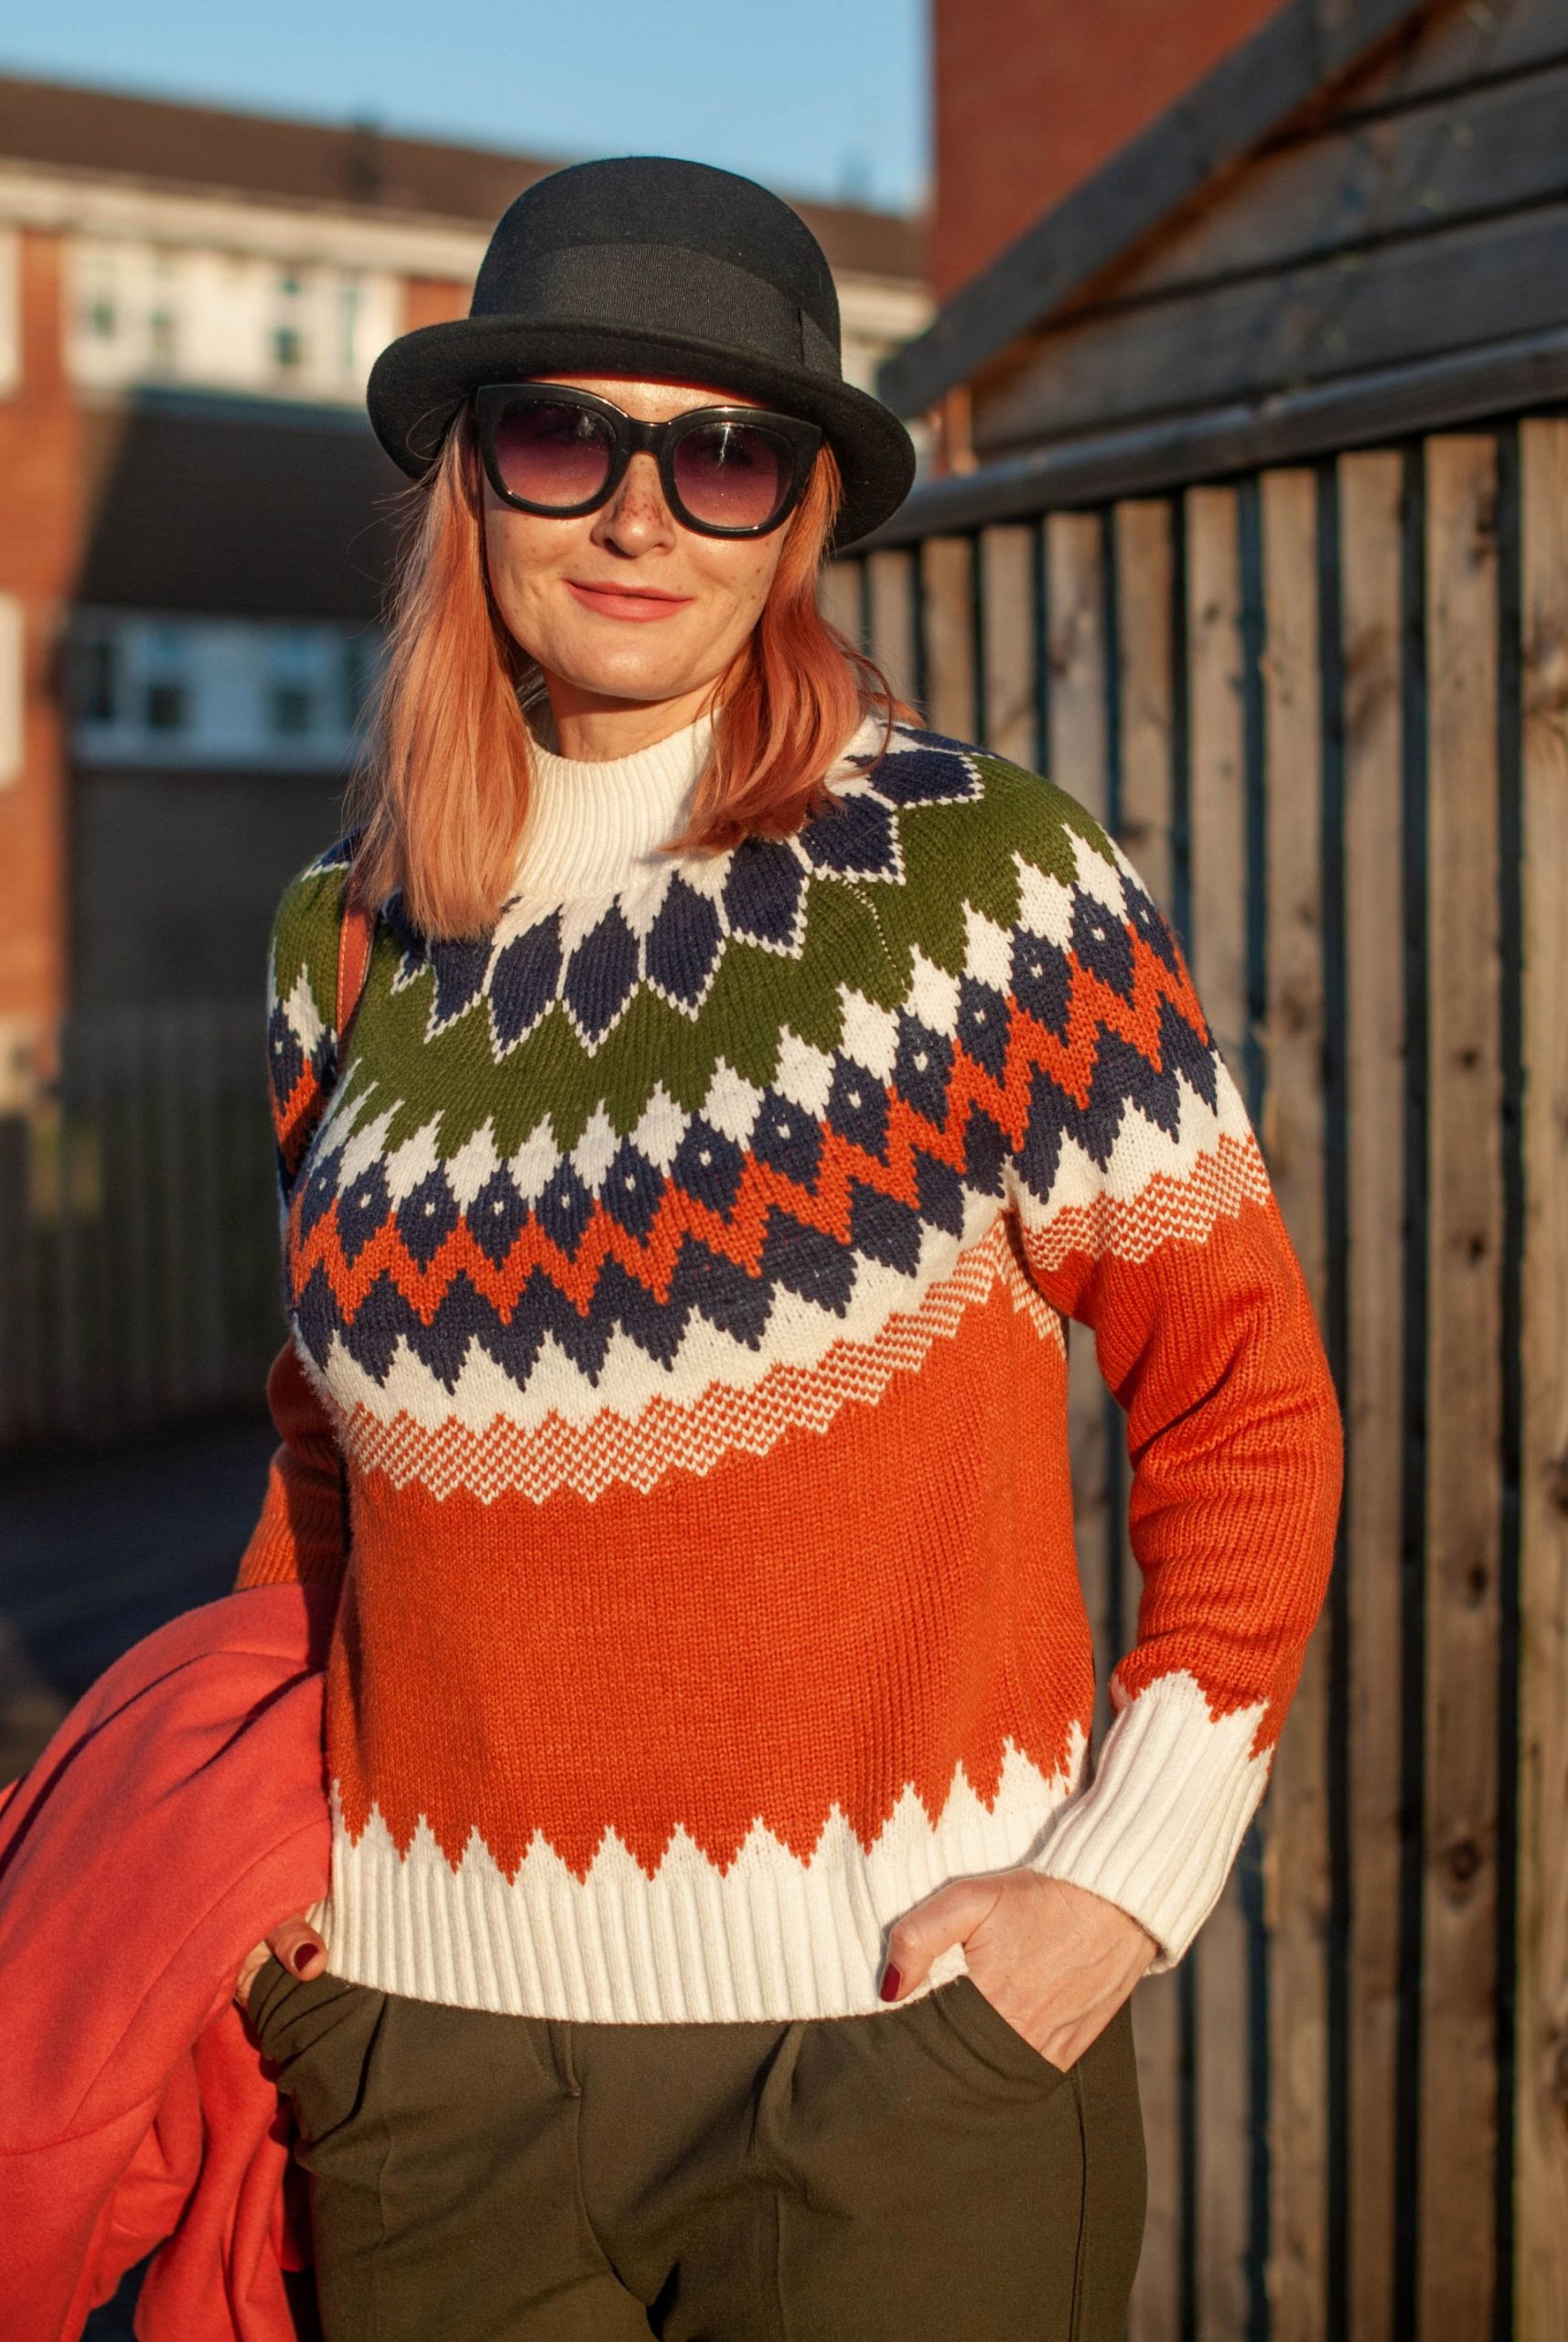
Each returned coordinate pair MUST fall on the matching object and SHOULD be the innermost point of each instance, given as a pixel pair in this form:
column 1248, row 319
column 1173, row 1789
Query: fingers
column 946, row 1917
column 249, row 1967
column 296, row 1942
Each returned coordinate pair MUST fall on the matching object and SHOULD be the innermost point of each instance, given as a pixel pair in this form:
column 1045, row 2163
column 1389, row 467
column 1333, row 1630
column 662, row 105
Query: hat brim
column 419, row 381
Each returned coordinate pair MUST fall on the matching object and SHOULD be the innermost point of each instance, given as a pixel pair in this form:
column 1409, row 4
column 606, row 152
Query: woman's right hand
column 295, row 1943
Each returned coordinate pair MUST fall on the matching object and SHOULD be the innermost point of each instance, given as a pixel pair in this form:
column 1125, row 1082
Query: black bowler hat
column 649, row 266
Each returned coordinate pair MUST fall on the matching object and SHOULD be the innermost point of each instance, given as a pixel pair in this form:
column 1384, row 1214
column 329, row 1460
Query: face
column 624, row 604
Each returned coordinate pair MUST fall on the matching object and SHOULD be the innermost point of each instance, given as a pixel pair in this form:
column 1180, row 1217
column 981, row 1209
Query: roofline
column 1247, row 95
column 828, row 220
column 1388, row 403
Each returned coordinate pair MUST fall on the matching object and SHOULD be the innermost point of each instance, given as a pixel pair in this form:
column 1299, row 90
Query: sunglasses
column 726, row 471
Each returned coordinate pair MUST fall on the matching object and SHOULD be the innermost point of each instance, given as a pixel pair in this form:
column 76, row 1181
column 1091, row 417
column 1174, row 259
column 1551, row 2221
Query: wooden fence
column 139, row 1263
column 1325, row 709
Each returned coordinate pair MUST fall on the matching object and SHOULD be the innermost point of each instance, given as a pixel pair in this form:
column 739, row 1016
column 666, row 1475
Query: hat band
column 659, row 289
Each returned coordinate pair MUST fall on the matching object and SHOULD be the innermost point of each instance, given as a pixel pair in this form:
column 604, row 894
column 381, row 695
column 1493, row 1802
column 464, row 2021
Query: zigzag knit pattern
column 681, row 1273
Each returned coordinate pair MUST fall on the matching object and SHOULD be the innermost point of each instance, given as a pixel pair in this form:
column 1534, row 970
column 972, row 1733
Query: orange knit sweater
column 679, row 1279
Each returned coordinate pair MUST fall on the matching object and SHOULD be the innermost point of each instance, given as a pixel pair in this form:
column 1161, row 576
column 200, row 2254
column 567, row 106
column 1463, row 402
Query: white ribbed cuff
column 1162, row 1823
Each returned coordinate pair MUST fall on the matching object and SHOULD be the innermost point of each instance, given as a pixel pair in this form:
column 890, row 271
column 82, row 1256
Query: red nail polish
column 891, row 1979
column 303, row 1958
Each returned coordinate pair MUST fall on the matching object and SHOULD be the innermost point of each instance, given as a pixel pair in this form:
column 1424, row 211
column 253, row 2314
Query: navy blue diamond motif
column 709, row 1166
column 495, row 1217
column 683, row 943
column 427, row 1218
column 362, row 1208
column 984, row 1024
column 857, row 838
column 524, row 981
column 601, row 974
column 1102, row 942
column 922, row 1067
column 564, row 1209
column 788, row 1139
column 762, row 891
column 857, row 1107
column 631, row 1190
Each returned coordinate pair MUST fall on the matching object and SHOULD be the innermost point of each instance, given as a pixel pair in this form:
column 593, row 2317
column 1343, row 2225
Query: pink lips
column 627, row 602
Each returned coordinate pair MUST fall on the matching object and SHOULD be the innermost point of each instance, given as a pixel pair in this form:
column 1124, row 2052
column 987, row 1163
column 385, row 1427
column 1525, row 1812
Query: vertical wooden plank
column 893, row 617
column 1369, row 496
column 1293, row 1129
column 1145, row 584
column 1541, row 2290
column 838, row 597
column 946, row 590
column 1459, row 2073
column 1076, row 587
column 1078, row 763
column 1007, row 598
column 1220, row 1980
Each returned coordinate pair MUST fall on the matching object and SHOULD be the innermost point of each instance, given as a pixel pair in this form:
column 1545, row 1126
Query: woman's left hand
column 1056, row 1960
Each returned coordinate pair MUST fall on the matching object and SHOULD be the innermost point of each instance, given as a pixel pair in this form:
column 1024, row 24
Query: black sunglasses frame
column 493, row 401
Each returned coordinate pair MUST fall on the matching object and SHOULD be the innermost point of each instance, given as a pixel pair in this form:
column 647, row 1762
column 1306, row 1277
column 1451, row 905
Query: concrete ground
column 98, row 1547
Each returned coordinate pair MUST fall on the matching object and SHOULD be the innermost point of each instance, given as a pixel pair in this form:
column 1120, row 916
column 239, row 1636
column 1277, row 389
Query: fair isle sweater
column 679, row 1280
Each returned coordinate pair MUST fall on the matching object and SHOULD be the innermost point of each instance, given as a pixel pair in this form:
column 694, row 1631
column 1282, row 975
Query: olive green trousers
column 915, row 2175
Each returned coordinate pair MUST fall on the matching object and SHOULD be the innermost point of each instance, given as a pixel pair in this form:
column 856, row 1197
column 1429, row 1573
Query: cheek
column 522, row 555
column 740, row 575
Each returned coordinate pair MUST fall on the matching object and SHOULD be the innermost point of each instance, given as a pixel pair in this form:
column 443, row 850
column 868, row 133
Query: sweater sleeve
column 1145, row 1213
column 302, row 1534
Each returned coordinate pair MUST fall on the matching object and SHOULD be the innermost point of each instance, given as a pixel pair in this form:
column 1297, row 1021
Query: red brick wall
column 41, row 504
column 432, row 301
column 1031, row 95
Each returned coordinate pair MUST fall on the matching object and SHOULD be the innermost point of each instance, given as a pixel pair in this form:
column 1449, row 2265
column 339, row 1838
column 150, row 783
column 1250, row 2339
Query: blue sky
column 814, row 97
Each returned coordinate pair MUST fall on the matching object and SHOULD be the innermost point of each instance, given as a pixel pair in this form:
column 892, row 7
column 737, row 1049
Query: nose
column 636, row 519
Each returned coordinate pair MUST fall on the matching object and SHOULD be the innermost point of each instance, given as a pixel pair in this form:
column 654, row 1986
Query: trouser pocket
column 999, row 2045
column 319, row 2033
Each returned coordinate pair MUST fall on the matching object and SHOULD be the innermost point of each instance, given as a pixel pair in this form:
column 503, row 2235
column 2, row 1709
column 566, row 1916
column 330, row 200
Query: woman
column 724, row 1938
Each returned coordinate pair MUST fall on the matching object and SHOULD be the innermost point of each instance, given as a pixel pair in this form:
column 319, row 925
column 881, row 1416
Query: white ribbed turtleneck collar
column 593, row 826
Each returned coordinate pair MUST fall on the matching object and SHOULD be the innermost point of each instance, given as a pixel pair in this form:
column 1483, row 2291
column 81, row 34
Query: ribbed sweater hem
column 768, row 1937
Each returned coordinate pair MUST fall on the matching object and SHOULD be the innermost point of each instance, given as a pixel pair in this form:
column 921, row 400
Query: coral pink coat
column 178, row 1812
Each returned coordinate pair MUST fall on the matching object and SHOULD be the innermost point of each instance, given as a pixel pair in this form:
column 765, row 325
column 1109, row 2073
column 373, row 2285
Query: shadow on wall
column 252, row 521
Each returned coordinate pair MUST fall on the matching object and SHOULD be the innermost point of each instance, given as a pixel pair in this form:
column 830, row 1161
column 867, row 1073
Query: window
column 99, row 296
column 288, row 333
column 295, row 664
column 349, row 325
column 204, row 313
column 290, row 710
column 164, row 707
column 360, row 659
column 165, row 686
column 163, row 324
column 98, row 677
column 212, row 693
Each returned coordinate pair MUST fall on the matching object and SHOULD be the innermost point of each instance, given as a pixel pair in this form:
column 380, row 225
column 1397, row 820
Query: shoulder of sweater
column 1014, row 813
column 307, row 924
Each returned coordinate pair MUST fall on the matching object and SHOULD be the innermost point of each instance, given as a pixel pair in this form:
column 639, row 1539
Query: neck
column 596, row 728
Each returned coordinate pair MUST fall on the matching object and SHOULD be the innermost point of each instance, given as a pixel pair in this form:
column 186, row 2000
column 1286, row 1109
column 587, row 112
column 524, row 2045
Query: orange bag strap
column 355, row 935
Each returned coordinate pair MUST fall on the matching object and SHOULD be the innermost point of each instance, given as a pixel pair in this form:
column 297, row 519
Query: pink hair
column 444, row 787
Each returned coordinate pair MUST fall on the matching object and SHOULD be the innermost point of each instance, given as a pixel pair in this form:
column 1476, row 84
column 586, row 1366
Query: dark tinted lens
column 554, row 455
column 731, row 474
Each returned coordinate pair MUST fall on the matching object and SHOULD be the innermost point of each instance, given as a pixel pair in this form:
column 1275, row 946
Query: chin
column 626, row 678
